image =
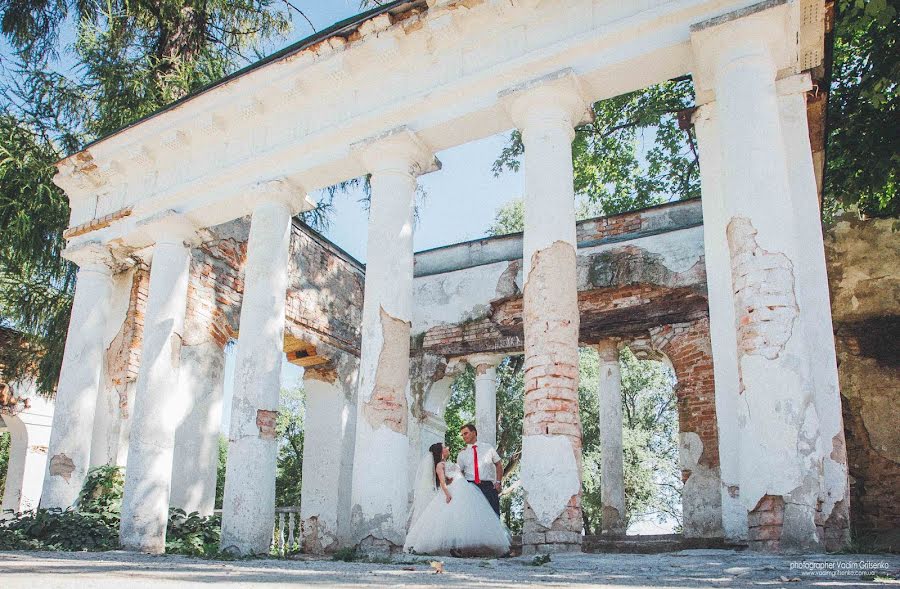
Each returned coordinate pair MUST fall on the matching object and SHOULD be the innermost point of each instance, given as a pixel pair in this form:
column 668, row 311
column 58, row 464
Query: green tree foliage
column 289, row 429
column 612, row 168
column 128, row 59
column 220, row 471
column 5, row 439
column 864, row 109
column 510, row 218
column 35, row 281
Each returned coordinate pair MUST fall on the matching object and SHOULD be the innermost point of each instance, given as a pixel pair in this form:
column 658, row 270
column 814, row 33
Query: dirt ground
column 689, row 568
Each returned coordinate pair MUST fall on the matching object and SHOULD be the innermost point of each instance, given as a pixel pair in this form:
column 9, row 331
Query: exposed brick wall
column 626, row 310
column 215, row 290
column 765, row 523
column 325, row 293
column 605, row 227
column 123, row 356
column 688, row 347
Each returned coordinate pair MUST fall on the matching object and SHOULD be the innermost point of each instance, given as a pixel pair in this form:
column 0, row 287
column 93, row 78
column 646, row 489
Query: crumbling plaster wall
column 634, row 272
column 863, row 262
column 122, row 341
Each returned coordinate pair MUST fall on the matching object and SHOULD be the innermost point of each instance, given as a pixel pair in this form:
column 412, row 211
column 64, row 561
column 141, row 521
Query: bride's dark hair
column 437, row 453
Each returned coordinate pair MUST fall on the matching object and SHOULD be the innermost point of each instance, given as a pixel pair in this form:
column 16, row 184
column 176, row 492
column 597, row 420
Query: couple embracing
column 456, row 507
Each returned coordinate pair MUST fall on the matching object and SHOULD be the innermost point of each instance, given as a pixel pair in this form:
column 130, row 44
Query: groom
column 481, row 466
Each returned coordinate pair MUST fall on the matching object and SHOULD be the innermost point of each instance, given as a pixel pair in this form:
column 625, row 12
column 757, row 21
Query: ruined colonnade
column 159, row 192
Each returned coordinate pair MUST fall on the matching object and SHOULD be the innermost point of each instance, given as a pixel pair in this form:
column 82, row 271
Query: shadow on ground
column 690, row 568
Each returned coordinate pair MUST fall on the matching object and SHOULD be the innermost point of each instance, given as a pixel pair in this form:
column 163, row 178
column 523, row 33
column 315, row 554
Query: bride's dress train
column 467, row 526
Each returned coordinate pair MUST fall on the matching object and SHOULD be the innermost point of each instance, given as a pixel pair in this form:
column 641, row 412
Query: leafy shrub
column 346, row 555
column 55, row 529
column 192, row 534
column 102, row 493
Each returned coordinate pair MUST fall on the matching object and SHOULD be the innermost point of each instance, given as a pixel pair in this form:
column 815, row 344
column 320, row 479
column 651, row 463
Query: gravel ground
column 689, row 568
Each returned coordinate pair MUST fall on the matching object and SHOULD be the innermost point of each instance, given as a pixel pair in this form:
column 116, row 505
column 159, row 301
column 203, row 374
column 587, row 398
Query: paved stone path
column 690, row 568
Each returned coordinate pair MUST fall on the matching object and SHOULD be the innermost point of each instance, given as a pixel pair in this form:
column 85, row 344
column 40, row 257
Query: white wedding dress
column 467, row 526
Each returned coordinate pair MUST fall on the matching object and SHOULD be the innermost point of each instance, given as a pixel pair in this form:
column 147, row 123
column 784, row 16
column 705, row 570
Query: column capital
column 763, row 31
column 282, row 191
column 397, row 150
column 555, row 99
column 170, row 226
column 488, row 360
column 608, row 349
column 93, row 256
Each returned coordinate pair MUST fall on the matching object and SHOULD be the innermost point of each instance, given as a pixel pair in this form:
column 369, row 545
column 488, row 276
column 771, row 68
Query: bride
column 451, row 515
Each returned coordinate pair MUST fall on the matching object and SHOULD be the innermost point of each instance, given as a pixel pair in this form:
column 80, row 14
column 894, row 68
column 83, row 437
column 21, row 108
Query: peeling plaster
column 701, row 495
column 387, row 404
column 549, row 475
column 764, row 299
column 62, row 466
column 265, row 421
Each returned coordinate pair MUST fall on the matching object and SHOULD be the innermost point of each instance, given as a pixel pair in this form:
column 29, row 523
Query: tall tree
column 864, row 109
column 128, row 59
column 633, row 154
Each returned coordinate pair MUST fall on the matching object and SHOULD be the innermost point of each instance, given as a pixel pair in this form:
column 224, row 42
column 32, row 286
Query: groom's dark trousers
column 490, row 493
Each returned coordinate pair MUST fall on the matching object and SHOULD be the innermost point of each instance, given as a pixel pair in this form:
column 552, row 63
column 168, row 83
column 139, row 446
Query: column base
column 550, row 542
column 774, row 526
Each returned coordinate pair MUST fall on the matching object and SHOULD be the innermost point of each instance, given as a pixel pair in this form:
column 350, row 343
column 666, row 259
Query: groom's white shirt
column 487, row 458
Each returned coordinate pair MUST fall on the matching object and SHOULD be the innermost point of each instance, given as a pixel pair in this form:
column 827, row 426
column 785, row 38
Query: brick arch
column 688, row 349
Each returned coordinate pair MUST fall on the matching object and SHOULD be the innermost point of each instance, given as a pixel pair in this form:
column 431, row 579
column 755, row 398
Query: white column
column 546, row 111
column 486, row 396
column 380, row 482
column 612, row 468
column 29, row 437
column 248, row 510
column 721, row 322
column 815, row 308
column 777, row 424
column 79, row 378
column 148, row 476
column 201, row 380
column 327, row 456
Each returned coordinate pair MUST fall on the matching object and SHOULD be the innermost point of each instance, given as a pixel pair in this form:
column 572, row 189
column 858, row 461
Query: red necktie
column 475, row 458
